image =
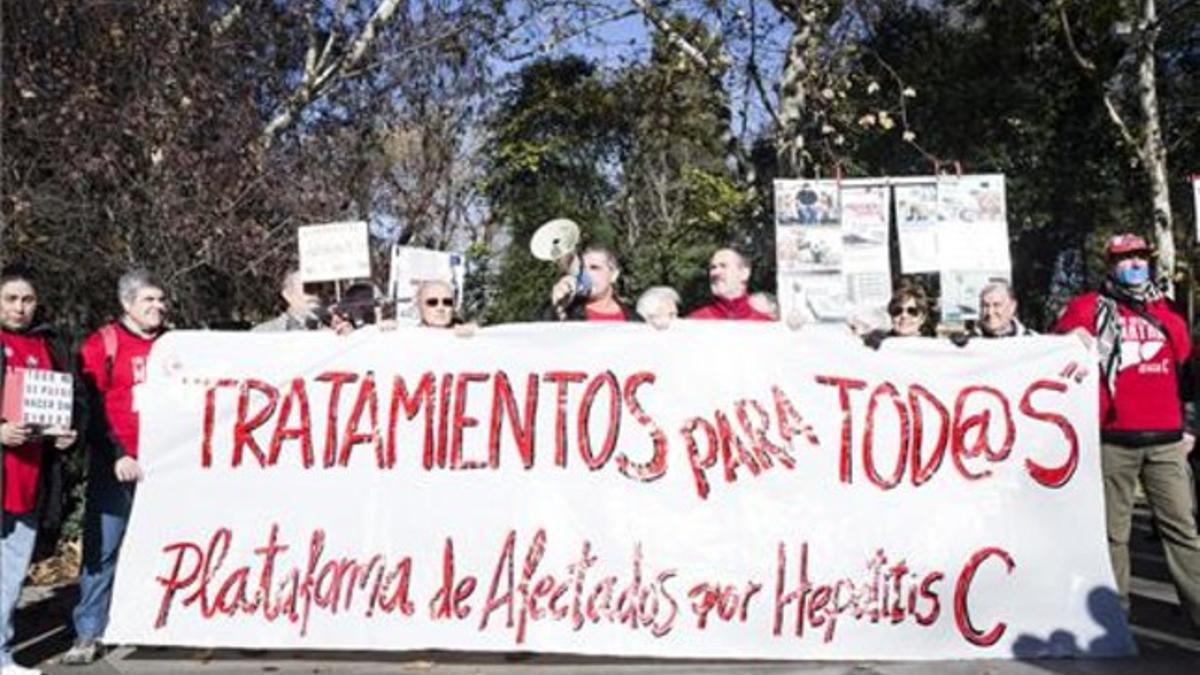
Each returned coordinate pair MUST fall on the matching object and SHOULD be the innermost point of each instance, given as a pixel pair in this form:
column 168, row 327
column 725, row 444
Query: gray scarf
column 1108, row 325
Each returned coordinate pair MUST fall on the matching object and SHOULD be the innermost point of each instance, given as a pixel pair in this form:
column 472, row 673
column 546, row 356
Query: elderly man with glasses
column 435, row 308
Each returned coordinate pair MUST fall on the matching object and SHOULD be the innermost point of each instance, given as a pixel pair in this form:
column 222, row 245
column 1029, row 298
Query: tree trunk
column 1153, row 150
column 789, row 147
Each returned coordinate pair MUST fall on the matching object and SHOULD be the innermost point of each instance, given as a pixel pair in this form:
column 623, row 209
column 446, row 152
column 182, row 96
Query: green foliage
column 636, row 158
column 552, row 139
column 1043, row 127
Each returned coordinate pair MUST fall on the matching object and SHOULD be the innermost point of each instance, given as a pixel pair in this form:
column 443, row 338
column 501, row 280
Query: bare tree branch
column 1089, row 67
column 319, row 76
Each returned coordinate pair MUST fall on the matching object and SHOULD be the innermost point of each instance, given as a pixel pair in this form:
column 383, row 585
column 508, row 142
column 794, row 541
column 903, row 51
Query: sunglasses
column 434, row 302
column 910, row 310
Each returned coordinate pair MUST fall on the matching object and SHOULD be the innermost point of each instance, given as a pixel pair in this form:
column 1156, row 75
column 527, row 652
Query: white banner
column 715, row 490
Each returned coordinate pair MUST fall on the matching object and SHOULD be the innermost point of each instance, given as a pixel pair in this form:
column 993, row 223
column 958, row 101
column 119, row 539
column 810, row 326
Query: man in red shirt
column 112, row 361
column 598, row 300
column 1142, row 344
column 729, row 279
column 23, row 450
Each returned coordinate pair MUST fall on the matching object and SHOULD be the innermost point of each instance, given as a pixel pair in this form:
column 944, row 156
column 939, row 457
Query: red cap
column 1126, row 243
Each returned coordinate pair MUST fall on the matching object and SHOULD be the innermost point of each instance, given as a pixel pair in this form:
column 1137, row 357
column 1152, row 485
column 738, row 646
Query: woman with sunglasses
column 909, row 309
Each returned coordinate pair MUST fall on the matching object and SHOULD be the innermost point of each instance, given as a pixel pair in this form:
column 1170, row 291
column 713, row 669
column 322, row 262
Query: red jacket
column 723, row 308
column 110, row 383
column 23, row 463
column 1147, row 386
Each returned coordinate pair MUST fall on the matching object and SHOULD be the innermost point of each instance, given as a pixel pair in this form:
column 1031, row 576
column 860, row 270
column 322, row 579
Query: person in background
column 1142, row 344
column 28, row 455
column 659, row 306
column 729, row 280
column 360, row 306
column 112, row 361
column 303, row 307
column 595, row 302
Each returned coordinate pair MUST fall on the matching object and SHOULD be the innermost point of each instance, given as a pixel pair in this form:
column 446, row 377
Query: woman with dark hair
column 910, row 310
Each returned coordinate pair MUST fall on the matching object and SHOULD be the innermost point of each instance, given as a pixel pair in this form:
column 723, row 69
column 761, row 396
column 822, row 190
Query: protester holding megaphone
column 587, row 289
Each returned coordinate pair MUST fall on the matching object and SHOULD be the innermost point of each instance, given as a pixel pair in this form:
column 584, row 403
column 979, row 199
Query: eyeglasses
column 434, row 302
column 910, row 310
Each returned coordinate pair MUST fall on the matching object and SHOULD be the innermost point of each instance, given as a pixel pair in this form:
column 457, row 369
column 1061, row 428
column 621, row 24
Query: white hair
column 654, row 295
column 998, row 284
column 133, row 281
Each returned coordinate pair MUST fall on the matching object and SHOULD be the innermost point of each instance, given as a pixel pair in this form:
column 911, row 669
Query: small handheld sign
column 334, row 251
column 37, row 398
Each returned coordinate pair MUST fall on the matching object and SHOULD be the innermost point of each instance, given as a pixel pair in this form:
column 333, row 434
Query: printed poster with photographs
column 865, row 258
column 809, row 250
column 917, row 227
column 972, row 223
column 972, row 241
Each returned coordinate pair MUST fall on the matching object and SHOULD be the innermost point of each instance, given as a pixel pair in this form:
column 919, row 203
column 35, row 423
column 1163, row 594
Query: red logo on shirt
column 1140, row 345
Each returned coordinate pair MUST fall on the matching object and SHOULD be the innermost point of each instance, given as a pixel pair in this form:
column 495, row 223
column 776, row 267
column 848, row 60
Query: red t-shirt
column 593, row 315
column 723, row 308
column 1146, row 384
column 23, row 463
column 115, row 384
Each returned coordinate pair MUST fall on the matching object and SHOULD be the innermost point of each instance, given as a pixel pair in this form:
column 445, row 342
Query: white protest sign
column 334, row 251
column 715, row 490
column 37, row 397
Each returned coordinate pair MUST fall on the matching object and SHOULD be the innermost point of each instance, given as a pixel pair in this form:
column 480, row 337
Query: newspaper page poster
column 972, row 241
column 972, row 223
column 916, row 227
column 808, row 245
column 865, row 259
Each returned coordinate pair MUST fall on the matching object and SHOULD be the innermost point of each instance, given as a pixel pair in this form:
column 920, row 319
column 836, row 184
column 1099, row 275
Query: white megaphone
column 554, row 240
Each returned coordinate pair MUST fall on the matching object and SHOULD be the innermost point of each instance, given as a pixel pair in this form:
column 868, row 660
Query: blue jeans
column 17, row 536
column 105, row 517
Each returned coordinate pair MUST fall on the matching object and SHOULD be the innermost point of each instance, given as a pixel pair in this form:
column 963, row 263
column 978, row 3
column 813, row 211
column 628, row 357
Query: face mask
column 1133, row 275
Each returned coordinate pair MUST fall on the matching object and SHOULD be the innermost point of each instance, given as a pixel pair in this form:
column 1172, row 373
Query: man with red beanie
column 1142, row 345
column 729, row 280
column 113, row 361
